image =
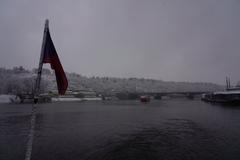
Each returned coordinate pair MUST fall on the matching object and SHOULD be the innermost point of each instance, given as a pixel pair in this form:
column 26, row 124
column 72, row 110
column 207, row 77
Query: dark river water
column 122, row 130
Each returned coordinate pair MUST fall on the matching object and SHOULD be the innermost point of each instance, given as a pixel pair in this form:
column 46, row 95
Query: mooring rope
column 31, row 133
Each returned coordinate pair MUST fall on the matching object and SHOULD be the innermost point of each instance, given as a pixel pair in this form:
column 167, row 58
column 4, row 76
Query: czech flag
column 50, row 56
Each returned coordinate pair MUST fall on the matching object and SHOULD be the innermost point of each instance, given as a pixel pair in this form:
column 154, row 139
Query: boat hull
column 145, row 99
column 232, row 98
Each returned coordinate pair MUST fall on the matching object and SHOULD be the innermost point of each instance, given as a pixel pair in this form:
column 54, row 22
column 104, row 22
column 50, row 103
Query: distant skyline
column 170, row 40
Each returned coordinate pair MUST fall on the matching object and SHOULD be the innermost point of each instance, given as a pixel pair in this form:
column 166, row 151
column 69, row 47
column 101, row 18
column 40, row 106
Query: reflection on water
column 170, row 129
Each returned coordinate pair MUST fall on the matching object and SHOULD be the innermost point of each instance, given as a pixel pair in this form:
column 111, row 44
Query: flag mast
column 39, row 72
column 35, row 96
column 60, row 77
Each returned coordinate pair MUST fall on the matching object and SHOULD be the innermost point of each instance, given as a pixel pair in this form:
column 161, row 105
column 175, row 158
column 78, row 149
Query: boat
column 145, row 98
column 230, row 96
column 29, row 98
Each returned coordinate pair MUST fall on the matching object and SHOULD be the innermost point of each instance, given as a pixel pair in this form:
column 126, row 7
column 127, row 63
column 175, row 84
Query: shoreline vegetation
column 20, row 80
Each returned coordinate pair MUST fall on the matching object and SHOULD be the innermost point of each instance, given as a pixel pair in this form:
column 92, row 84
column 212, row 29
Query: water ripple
column 174, row 139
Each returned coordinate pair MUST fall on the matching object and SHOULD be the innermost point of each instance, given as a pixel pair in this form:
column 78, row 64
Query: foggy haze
column 187, row 40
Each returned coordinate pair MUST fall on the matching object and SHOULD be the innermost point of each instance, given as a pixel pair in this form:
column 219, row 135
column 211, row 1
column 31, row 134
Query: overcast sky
column 173, row 40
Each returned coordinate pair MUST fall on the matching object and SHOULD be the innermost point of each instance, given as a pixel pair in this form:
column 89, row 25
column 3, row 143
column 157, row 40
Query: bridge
column 157, row 95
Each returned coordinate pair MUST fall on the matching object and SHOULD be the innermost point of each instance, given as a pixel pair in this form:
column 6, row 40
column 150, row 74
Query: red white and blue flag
column 50, row 56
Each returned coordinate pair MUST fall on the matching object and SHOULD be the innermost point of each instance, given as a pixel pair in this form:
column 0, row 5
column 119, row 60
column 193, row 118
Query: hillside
column 19, row 79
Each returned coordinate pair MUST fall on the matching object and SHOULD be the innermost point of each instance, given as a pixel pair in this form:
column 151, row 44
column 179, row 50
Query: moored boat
column 230, row 96
column 145, row 98
column 29, row 98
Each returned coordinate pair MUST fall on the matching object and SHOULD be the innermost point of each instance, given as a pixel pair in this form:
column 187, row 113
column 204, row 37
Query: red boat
column 144, row 98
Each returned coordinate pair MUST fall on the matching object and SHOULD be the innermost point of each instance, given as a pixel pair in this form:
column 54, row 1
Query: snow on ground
column 66, row 99
column 4, row 98
column 75, row 99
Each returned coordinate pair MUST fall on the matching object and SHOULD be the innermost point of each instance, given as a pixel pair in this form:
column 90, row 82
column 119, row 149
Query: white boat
column 230, row 96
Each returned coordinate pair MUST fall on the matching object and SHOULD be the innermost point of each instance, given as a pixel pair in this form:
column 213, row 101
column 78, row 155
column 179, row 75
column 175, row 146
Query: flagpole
column 35, row 96
column 39, row 73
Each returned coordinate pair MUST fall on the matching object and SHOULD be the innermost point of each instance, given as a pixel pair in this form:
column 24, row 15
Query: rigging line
column 31, row 133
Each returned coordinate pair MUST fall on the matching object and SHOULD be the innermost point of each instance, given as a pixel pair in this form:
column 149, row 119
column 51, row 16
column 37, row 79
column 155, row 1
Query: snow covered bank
column 66, row 99
column 75, row 99
column 4, row 98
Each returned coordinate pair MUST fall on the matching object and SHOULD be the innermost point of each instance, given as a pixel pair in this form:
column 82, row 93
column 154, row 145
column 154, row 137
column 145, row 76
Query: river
column 122, row 130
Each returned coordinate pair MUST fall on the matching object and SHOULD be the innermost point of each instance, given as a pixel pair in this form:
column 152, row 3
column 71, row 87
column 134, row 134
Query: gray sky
column 174, row 40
